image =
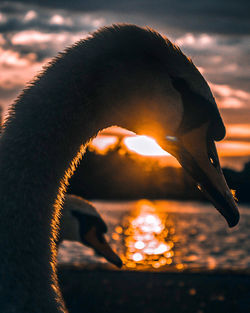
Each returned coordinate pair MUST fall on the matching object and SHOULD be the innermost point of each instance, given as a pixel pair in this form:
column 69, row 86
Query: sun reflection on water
column 147, row 237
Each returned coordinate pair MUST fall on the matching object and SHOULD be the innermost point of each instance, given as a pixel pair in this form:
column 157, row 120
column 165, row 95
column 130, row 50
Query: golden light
column 139, row 245
column 233, row 148
column 144, row 145
column 238, row 130
column 128, row 142
column 234, row 194
column 161, row 248
column 147, row 240
column 119, row 229
column 148, row 223
column 137, row 257
column 180, row 266
column 101, row 144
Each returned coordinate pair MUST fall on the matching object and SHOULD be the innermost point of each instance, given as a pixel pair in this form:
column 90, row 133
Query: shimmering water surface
column 167, row 235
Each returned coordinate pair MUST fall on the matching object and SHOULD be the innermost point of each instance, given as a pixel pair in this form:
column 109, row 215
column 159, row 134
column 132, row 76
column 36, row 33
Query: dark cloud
column 40, row 53
column 212, row 16
column 15, row 24
column 14, row 20
column 225, row 60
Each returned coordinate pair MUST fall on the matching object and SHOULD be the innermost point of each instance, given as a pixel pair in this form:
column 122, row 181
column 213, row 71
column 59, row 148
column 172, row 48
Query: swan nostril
column 171, row 138
column 211, row 160
column 199, row 187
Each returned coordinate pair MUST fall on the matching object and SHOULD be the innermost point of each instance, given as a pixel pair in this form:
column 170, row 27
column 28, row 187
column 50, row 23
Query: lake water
column 168, row 235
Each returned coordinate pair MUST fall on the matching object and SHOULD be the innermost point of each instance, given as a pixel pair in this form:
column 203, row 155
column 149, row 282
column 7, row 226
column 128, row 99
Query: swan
column 81, row 222
column 120, row 75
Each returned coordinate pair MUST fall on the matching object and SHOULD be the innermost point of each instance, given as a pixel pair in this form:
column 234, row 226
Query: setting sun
column 126, row 141
column 144, row 145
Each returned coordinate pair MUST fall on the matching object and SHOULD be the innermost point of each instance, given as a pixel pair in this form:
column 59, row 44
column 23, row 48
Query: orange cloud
column 13, row 58
column 190, row 39
column 233, row 148
column 229, row 97
column 2, row 40
column 31, row 37
column 238, row 130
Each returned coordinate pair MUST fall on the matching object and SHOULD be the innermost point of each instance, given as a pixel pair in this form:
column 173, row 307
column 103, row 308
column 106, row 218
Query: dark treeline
column 128, row 176
column 118, row 175
column 240, row 181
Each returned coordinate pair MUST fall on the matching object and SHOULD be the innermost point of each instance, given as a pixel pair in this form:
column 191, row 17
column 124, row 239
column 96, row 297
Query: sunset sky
column 215, row 34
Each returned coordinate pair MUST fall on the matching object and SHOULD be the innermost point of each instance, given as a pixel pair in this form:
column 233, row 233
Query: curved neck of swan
column 43, row 140
column 42, row 143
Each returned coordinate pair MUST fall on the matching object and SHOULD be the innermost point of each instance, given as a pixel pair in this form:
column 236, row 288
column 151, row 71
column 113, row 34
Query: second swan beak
column 99, row 243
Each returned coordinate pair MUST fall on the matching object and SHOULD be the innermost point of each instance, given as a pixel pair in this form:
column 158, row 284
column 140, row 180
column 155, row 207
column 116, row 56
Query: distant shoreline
column 123, row 199
column 106, row 267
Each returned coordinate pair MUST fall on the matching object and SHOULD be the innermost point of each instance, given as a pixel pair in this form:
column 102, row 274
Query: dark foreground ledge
column 106, row 291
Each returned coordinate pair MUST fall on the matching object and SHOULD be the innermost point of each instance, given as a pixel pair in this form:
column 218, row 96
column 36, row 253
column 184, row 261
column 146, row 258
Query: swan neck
column 40, row 147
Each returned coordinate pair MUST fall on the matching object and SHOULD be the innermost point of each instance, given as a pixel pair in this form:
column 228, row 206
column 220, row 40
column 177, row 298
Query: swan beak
column 99, row 243
column 198, row 156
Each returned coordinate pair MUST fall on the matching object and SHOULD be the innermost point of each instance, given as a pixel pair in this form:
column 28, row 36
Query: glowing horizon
column 144, row 145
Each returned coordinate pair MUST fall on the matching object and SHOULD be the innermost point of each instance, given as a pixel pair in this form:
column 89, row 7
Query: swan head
column 170, row 100
column 92, row 231
column 193, row 145
column 192, row 140
column 81, row 222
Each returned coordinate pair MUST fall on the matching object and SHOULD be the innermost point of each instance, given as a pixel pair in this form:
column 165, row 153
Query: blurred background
column 139, row 188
